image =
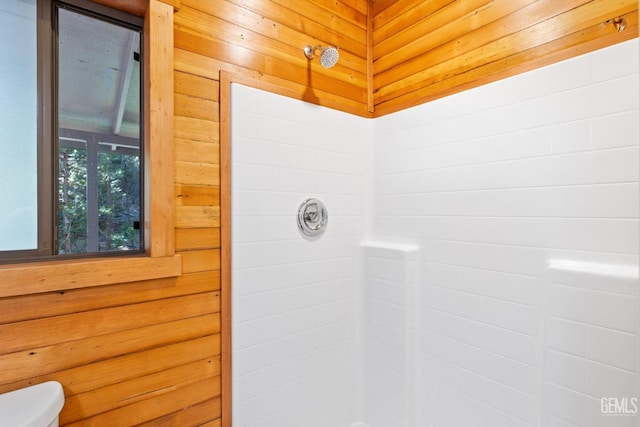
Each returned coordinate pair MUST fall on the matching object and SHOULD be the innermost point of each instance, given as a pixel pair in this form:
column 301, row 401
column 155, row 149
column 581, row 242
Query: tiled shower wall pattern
column 499, row 186
column 591, row 338
column 523, row 198
column 390, row 274
column 294, row 307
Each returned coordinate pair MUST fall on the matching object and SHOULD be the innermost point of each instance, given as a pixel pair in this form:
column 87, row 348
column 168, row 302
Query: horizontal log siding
column 264, row 39
column 145, row 352
column 427, row 50
column 148, row 352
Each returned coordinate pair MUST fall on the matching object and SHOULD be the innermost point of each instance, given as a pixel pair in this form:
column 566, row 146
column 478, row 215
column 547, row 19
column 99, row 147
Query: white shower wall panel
column 294, row 298
column 502, row 190
column 492, row 184
column 390, row 275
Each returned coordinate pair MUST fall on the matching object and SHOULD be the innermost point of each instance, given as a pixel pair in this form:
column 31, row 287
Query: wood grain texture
column 197, row 238
column 426, row 50
column 129, row 343
column 130, row 348
column 157, row 405
column 225, row 240
column 265, row 39
column 158, row 129
column 37, row 277
column 57, row 303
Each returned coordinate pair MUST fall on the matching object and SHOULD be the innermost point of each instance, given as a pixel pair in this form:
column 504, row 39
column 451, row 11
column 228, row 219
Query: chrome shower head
column 328, row 55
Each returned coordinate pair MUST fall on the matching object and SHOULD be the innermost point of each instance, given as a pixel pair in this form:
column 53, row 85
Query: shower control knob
column 312, row 217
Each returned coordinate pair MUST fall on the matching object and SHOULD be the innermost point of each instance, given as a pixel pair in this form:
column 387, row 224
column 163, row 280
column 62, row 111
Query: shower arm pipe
column 310, row 51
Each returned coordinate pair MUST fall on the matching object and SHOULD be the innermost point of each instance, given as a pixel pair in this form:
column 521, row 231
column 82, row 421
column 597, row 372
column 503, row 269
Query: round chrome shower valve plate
column 312, row 217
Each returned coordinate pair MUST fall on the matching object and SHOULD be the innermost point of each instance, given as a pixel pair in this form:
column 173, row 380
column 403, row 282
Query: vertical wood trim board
column 225, row 241
column 158, row 106
column 370, row 71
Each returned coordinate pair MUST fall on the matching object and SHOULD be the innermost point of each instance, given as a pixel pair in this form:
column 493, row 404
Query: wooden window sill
column 51, row 276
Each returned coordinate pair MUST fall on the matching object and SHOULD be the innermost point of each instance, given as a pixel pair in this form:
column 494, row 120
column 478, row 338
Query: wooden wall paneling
column 204, row 414
column 301, row 72
column 198, row 108
column 379, row 6
column 284, row 44
column 446, row 24
column 443, row 71
column 354, row 13
column 197, row 195
column 139, row 389
column 461, row 36
column 401, row 17
column 275, row 26
column 134, row 365
column 17, row 309
column 38, row 277
column 158, row 126
column 191, row 62
column 75, row 363
column 202, row 87
column 168, row 339
column 264, row 37
column 310, row 20
column 24, row 336
column 201, row 260
column 197, row 238
column 175, row 400
column 197, row 216
column 196, row 151
column 370, row 44
column 195, row 129
column 197, row 173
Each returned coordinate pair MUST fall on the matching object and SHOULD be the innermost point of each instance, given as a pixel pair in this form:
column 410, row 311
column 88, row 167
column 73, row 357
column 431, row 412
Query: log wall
column 149, row 352
column 423, row 50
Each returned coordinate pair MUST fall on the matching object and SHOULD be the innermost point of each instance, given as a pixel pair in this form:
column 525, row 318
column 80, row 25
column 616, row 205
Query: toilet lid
column 35, row 406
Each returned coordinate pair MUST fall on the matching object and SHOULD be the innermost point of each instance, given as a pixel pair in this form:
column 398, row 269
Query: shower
column 328, row 55
column 477, row 269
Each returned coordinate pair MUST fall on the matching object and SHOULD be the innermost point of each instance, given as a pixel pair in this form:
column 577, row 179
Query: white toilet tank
column 35, row 406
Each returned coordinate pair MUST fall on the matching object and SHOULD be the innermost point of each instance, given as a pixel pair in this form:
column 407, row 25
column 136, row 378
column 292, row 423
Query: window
column 71, row 114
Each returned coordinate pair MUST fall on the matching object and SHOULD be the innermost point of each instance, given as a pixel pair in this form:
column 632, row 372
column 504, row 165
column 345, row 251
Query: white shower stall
column 479, row 267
